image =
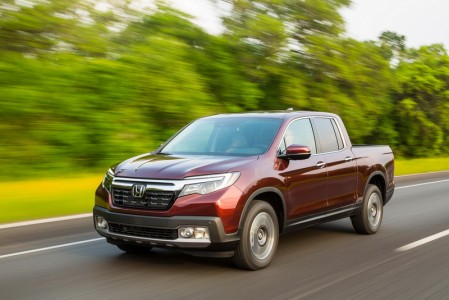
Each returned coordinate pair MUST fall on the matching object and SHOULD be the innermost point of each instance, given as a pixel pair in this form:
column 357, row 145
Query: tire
column 134, row 249
column 259, row 237
column 368, row 220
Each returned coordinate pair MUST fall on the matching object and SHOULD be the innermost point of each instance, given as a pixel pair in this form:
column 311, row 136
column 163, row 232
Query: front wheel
column 368, row 220
column 259, row 237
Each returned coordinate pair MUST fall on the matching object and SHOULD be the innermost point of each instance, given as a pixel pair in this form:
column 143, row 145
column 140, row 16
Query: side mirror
column 296, row 152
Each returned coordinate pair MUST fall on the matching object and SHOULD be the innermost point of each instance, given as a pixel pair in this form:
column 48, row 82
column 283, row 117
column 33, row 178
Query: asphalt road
column 68, row 260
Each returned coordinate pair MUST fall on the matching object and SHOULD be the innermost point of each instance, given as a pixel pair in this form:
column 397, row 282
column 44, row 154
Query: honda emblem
column 138, row 190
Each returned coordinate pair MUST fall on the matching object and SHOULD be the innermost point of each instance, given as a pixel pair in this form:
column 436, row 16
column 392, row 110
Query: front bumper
column 150, row 231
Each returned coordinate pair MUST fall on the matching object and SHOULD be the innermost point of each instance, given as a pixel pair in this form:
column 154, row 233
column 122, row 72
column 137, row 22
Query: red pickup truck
column 229, row 184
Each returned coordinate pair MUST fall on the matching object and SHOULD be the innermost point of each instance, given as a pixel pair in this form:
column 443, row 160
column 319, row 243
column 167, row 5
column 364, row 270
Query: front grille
column 153, row 199
column 146, row 232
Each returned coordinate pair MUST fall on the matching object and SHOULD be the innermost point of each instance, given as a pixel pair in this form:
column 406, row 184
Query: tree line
column 82, row 87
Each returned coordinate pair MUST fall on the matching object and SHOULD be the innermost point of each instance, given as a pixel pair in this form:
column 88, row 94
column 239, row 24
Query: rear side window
column 329, row 135
column 341, row 144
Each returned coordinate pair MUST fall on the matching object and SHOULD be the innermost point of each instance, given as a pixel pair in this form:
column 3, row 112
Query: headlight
column 208, row 184
column 107, row 180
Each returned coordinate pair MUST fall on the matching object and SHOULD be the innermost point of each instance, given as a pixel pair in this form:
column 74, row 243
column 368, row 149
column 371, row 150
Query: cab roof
column 278, row 114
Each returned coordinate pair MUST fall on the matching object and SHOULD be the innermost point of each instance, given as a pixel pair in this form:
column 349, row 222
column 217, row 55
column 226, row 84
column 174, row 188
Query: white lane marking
column 50, row 248
column 427, row 239
column 26, row 223
column 423, row 241
column 419, row 184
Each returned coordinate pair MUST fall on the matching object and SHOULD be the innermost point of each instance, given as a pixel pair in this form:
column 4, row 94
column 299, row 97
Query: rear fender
column 382, row 187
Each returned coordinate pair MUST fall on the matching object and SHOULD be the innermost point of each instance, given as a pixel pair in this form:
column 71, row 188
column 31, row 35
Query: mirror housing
column 296, row 152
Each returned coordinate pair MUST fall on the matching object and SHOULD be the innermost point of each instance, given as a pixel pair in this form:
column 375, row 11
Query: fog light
column 186, row 232
column 101, row 222
column 201, row 233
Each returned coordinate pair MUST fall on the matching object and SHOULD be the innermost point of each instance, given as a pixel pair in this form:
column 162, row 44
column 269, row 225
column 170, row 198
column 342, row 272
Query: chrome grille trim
column 168, row 185
column 159, row 194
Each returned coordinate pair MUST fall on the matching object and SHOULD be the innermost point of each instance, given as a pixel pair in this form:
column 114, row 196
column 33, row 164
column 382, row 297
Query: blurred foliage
column 82, row 87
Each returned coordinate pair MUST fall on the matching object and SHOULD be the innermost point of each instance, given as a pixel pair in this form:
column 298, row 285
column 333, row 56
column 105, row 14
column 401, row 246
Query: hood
column 178, row 167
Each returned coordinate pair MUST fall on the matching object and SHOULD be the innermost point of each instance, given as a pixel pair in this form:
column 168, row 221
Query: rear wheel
column 368, row 220
column 134, row 249
column 259, row 237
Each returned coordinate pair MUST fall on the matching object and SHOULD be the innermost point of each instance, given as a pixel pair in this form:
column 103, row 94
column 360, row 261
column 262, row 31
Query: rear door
column 340, row 163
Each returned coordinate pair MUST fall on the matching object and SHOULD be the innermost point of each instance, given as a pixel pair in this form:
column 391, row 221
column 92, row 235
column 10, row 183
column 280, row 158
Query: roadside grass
column 420, row 165
column 52, row 197
column 45, row 198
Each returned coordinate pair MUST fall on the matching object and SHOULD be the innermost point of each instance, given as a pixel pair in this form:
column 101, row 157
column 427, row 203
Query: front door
column 305, row 180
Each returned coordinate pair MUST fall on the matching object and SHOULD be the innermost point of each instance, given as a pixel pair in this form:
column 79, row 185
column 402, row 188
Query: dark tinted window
column 341, row 144
column 300, row 133
column 327, row 135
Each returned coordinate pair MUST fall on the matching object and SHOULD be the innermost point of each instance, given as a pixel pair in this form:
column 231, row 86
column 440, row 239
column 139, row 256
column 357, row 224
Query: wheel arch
column 274, row 197
column 378, row 179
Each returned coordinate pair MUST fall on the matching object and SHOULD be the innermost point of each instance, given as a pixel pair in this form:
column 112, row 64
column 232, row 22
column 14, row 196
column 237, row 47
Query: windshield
column 225, row 136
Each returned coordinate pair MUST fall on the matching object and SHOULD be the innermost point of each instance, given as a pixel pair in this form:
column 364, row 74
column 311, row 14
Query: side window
column 328, row 132
column 300, row 133
column 341, row 144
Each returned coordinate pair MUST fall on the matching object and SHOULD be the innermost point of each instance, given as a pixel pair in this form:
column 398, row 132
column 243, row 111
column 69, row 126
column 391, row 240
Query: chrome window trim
column 288, row 126
column 314, row 117
column 341, row 134
column 339, row 129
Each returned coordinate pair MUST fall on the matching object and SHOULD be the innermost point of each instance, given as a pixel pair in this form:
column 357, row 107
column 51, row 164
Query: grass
column 420, row 165
column 45, row 198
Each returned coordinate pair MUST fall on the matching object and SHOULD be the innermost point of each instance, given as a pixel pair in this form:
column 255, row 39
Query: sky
column 207, row 14
column 423, row 22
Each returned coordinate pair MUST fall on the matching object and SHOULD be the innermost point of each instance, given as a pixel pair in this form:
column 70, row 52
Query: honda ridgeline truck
column 229, row 184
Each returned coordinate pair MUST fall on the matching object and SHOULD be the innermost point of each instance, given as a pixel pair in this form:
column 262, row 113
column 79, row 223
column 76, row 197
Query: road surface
column 407, row 259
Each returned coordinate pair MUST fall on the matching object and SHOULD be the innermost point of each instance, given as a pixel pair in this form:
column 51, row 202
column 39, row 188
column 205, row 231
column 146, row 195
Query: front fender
column 271, row 195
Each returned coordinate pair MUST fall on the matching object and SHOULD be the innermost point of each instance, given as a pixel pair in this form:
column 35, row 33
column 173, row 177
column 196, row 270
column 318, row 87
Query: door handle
column 348, row 159
column 320, row 164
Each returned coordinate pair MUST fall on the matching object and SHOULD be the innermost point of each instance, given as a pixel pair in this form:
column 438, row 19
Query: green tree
column 352, row 79
column 393, row 46
column 423, row 84
column 83, row 86
column 419, row 136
